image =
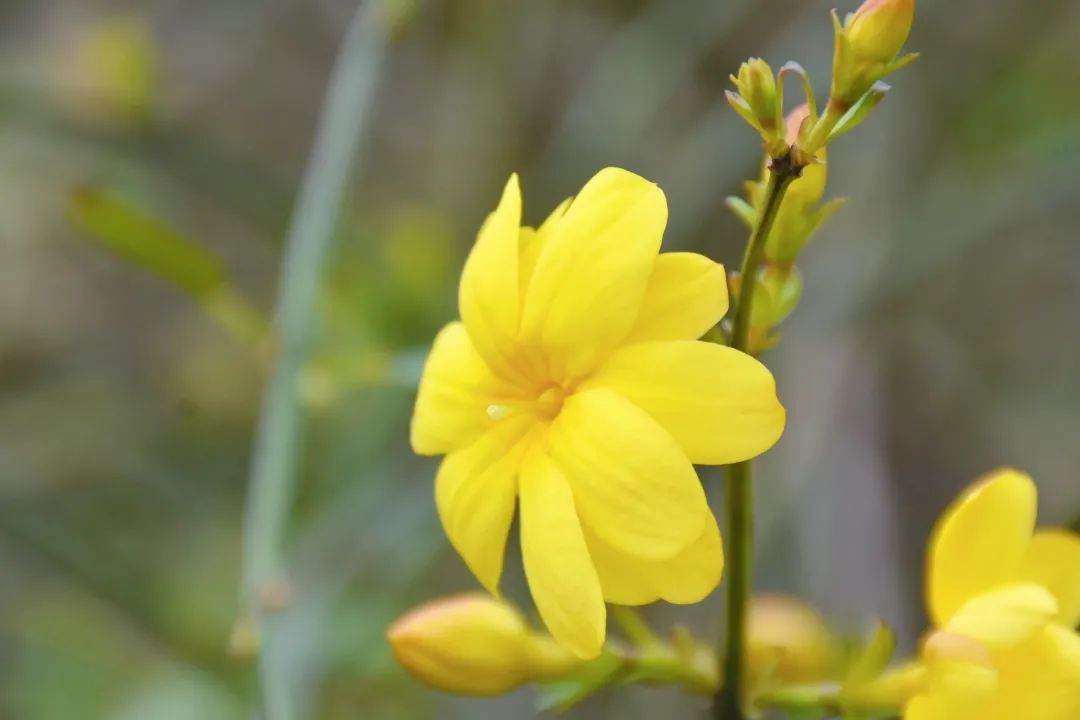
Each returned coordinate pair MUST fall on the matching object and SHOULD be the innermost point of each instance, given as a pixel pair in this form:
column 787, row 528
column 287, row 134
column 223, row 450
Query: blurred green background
column 938, row 337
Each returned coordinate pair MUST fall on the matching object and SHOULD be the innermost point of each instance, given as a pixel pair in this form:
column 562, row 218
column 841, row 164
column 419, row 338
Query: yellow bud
column 474, row 644
column 757, row 84
column 878, row 30
column 787, row 640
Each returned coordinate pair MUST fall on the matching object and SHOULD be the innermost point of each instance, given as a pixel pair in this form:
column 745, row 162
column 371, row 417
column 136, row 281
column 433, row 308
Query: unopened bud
column 878, row 30
column 757, row 102
column 867, row 48
column 757, row 85
column 787, row 640
column 475, row 645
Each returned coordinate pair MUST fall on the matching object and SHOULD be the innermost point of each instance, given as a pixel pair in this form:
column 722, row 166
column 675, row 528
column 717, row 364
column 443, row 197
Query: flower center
column 545, row 406
column 549, row 402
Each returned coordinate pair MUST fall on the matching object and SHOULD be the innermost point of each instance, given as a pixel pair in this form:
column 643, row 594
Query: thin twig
column 281, row 425
column 738, row 486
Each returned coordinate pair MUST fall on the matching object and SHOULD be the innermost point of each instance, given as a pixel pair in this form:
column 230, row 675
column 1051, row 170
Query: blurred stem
column 803, row 699
column 738, row 486
column 281, row 425
column 634, row 627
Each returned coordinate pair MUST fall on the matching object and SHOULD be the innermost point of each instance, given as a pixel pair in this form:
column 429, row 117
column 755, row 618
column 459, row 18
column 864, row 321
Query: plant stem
column 281, row 425
column 738, row 486
column 804, row 698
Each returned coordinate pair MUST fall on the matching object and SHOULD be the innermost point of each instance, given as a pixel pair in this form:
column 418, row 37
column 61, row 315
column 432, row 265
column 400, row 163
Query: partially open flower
column 1005, row 600
column 475, row 645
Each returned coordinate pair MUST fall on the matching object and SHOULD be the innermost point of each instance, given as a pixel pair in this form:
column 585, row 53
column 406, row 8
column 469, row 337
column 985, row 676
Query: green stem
column 738, row 487
column 803, row 698
column 281, row 425
column 819, row 134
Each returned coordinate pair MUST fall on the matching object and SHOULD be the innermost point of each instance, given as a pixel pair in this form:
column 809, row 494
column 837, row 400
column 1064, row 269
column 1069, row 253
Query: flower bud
column 757, row 84
column 878, row 30
column 475, row 644
column 787, row 640
column 758, row 103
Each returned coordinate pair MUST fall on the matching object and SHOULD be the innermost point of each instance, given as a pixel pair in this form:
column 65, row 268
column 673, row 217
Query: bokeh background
column 938, row 337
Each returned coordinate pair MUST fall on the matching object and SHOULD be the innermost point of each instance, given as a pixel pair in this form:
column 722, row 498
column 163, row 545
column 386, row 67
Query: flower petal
column 718, row 403
column 560, row 572
column 980, row 541
column 531, row 243
column 1040, row 680
column 455, row 391
column 687, row 295
column 633, row 486
column 474, row 494
column 923, row 707
column 960, row 675
column 684, row 579
column 488, row 294
column 592, row 272
column 1053, row 561
column 1005, row 616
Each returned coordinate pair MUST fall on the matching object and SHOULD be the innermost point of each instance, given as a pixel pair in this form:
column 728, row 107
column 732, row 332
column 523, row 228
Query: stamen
column 498, row 412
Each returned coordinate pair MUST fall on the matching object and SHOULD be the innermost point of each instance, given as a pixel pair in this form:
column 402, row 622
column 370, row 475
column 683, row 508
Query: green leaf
column 808, row 87
column 743, row 210
column 742, row 107
column 564, row 693
column 143, row 240
column 824, row 212
column 860, row 110
column 902, row 62
column 873, row 657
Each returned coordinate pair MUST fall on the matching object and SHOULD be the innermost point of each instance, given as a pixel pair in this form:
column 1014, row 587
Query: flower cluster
column 577, row 394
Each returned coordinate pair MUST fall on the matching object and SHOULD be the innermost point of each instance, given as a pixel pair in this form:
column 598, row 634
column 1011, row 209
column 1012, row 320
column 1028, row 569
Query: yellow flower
column 475, row 645
column 576, row 386
column 1005, row 600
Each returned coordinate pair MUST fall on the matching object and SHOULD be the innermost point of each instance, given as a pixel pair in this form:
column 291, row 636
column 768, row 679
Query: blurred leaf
column 873, row 657
column 743, row 210
column 565, row 693
column 179, row 695
column 861, row 109
column 140, row 238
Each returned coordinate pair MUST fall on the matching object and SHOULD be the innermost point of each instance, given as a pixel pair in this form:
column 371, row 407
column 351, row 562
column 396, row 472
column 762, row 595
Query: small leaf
column 824, row 213
column 743, row 210
column 742, row 107
column 808, row 87
column 860, row 110
column 873, row 657
column 902, row 62
column 141, row 239
column 564, row 693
